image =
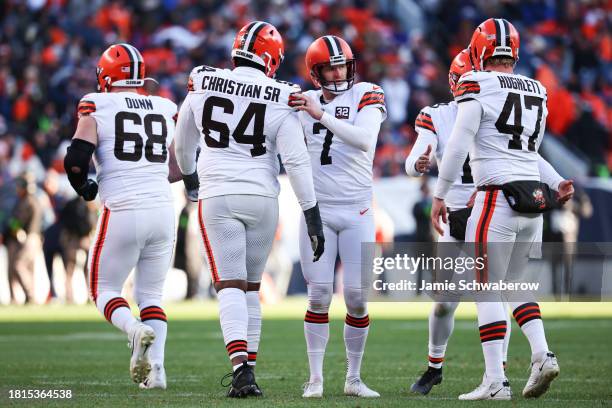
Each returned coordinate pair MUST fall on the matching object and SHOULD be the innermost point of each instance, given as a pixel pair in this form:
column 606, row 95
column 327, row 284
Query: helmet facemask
column 336, row 86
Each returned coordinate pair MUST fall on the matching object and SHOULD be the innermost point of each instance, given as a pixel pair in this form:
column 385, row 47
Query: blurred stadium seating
column 49, row 49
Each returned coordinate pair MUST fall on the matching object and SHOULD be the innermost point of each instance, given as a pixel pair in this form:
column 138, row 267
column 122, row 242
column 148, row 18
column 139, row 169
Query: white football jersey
column 238, row 113
column 512, row 125
column 342, row 173
column 436, row 123
column 131, row 158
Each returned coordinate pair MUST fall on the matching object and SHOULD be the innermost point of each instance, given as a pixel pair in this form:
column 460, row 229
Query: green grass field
column 60, row 347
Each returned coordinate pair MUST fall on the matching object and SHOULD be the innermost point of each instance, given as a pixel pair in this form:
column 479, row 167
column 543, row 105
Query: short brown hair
column 507, row 62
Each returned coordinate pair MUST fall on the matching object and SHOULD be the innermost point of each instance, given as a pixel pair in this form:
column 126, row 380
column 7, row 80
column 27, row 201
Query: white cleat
column 313, row 390
column 543, row 372
column 155, row 379
column 141, row 338
column 489, row 390
column 357, row 388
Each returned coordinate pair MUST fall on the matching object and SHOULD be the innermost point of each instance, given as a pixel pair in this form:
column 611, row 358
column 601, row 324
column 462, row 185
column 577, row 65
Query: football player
column 501, row 118
column 341, row 121
column 243, row 120
column 433, row 125
column 129, row 135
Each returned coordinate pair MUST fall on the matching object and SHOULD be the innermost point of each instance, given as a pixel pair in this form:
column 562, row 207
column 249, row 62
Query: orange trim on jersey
column 424, row 121
column 467, row 87
column 209, row 253
column 95, row 259
column 86, row 107
column 482, row 233
column 371, row 98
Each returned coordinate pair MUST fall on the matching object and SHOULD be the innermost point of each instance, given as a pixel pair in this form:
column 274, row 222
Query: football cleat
column 543, row 372
column 489, row 390
column 243, row 383
column 313, row 390
column 141, row 338
column 357, row 388
column 431, row 377
column 155, row 379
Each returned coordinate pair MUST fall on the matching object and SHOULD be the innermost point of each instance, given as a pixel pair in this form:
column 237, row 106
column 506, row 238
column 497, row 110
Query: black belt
column 490, row 187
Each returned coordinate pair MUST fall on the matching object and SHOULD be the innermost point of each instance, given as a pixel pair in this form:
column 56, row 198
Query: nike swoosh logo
column 493, row 394
column 363, row 211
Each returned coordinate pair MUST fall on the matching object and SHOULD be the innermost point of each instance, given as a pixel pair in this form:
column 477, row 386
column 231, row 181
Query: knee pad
column 356, row 301
column 319, row 297
column 444, row 308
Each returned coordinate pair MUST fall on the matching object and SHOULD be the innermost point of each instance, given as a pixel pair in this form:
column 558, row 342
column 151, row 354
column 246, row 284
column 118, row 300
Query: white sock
column 316, row 332
column 492, row 327
column 155, row 317
column 529, row 319
column 254, row 326
column 234, row 318
column 441, row 323
column 355, row 336
column 117, row 311
column 508, row 332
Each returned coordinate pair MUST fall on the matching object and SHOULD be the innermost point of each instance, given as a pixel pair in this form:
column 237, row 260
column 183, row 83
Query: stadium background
column 48, row 53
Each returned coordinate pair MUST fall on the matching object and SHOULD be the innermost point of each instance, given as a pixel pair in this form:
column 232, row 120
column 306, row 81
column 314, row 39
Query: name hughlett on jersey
column 228, row 86
column 522, row 84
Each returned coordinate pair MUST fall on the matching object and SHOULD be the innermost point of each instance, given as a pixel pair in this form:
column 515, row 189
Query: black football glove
column 89, row 190
column 315, row 231
column 192, row 185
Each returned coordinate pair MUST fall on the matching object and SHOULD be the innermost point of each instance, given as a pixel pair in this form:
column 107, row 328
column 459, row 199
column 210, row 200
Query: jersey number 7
column 325, row 157
column 513, row 102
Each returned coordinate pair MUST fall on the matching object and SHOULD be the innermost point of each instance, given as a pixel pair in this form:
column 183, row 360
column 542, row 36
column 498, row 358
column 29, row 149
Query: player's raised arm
column 292, row 149
column 185, row 146
column 418, row 161
column 464, row 130
column 80, row 151
column 362, row 134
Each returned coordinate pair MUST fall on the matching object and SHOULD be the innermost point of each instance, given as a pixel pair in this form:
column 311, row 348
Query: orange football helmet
column 331, row 50
column 460, row 65
column 495, row 37
column 121, row 65
column 261, row 43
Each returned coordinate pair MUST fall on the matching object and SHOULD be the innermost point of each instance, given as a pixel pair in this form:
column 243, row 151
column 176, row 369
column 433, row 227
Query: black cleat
column 243, row 383
column 431, row 377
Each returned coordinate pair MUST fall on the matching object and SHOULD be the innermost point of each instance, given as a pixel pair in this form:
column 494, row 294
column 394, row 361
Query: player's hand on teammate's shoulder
column 566, row 191
column 438, row 209
column 302, row 102
column 423, row 163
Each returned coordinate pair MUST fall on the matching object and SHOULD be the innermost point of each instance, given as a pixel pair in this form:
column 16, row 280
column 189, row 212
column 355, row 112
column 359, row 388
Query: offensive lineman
column 244, row 120
column 500, row 119
column 128, row 134
column 341, row 121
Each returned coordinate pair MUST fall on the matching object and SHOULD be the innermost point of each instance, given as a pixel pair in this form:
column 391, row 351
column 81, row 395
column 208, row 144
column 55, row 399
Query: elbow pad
column 76, row 162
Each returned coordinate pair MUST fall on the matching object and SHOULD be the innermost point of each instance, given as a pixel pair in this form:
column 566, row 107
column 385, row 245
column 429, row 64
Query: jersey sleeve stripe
column 86, row 107
column 425, row 125
column 371, row 99
column 466, row 88
column 370, row 94
column 380, row 103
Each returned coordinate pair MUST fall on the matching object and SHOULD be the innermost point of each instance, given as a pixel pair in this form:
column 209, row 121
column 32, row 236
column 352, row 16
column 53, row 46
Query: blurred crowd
column 49, row 50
